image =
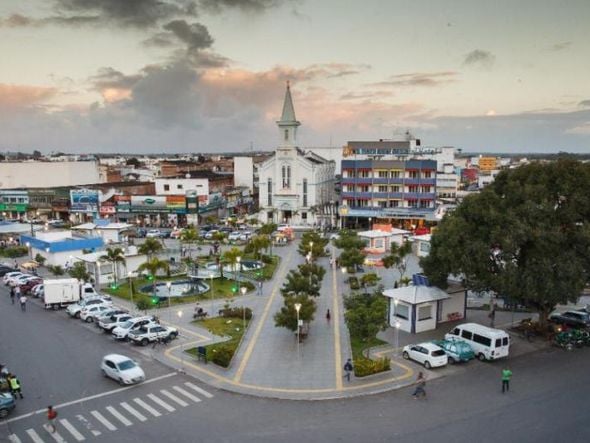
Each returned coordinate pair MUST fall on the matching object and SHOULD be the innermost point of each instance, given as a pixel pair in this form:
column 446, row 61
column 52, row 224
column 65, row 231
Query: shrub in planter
column 236, row 312
column 222, row 356
column 14, row 251
column 365, row 366
column 143, row 303
column 266, row 259
column 354, row 283
column 40, row 259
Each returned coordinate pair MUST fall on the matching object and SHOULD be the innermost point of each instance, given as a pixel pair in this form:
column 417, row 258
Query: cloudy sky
column 209, row 75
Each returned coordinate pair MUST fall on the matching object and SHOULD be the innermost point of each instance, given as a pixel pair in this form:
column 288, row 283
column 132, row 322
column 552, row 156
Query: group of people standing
column 16, row 294
column 12, row 382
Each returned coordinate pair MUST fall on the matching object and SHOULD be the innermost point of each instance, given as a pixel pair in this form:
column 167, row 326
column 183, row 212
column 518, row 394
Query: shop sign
column 84, row 200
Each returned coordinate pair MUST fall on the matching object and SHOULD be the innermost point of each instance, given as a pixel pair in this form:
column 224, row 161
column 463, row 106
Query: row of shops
column 83, row 204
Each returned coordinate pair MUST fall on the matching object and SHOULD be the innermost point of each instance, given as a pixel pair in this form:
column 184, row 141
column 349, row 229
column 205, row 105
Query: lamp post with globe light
column 297, row 308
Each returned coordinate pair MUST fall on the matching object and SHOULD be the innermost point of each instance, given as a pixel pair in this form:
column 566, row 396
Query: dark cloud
column 123, row 13
column 479, row 58
column 427, row 79
column 244, row 5
column 194, row 35
column 111, row 78
column 585, row 103
column 560, row 46
column 135, row 13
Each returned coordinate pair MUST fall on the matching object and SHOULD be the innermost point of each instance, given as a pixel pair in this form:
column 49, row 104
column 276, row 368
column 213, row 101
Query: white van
column 487, row 343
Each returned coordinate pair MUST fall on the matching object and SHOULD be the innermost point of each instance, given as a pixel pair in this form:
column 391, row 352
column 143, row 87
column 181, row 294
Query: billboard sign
column 84, row 200
column 148, row 203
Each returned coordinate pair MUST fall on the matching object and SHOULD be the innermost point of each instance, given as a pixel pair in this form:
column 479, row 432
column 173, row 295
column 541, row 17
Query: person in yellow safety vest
column 15, row 387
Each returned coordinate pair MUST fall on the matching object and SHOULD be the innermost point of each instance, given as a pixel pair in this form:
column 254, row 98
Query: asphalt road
column 57, row 360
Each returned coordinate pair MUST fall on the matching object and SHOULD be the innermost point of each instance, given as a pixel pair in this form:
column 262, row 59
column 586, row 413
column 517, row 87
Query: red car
column 26, row 287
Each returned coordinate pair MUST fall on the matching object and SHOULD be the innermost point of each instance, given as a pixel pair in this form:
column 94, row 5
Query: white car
column 110, row 323
column 245, row 235
column 11, row 275
column 153, row 233
column 121, row 332
column 37, row 291
column 233, row 236
column 209, row 235
column 74, row 310
column 427, row 354
column 122, row 369
column 89, row 313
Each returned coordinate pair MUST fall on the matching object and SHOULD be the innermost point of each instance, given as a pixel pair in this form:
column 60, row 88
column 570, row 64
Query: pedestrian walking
column 51, row 416
column 492, row 315
column 348, row 368
column 15, row 387
column 328, row 316
column 23, row 302
column 12, row 294
column 260, row 287
column 420, row 385
column 331, row 261
column 506, row 376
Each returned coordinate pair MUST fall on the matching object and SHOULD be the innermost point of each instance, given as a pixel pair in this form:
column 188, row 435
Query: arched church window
column 286, row 135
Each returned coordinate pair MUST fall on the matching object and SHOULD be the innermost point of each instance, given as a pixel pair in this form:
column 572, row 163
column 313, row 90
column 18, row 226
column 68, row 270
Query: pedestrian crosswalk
column 112, row 417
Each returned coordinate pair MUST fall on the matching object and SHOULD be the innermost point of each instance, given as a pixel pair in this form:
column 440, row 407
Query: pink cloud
column 19, row 96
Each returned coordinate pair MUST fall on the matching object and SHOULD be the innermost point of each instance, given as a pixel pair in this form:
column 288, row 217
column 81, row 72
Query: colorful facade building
column 381, row 181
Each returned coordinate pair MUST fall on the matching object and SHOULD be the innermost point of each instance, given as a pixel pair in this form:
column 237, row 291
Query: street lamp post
column 211, row 289
column 297, row 308
column 130, row 289
column 237, row 276
column 169, row 286
column 179, row 313
column 243, row 290
column 397, row 325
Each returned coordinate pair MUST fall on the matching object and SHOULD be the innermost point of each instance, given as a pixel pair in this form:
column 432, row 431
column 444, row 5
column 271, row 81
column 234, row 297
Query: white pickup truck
column 151, row 333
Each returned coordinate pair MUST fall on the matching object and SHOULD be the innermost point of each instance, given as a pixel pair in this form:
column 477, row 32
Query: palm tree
column 189, row 236
column 153, row 265
column 258, row 243
column 231, row 257
column 114, row 256
column 150, row 247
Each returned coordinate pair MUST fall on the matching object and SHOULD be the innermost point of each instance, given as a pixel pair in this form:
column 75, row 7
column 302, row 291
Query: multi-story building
column 383, row 181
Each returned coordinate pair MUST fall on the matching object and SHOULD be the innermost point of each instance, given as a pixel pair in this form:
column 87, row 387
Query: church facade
column 296, row 186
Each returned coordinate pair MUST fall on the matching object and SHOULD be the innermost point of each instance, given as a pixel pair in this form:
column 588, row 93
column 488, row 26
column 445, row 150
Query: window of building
column 393, row 203
column 424, row 312
column 178, row 186
column 286, row 135
column 413, row 174
column 304, row 192
column 382, row 203
column 412, row 188
column 402, row 311
column 304, row 216
column 166, row 187
column 364, row 174
column 286, row 176
column 412, row 203
column 269, row 192
column 382, row 188
column 382, row 174
column 395, row 174
column 395, row 189
column 424, row 204
column 427, row 174
column 425, row 189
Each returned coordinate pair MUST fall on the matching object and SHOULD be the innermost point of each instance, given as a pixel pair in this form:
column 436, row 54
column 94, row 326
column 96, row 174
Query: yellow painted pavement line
column 254, row 339
column 336, row 316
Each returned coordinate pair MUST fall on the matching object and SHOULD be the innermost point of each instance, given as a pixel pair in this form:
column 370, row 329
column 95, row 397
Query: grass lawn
column 224, row 327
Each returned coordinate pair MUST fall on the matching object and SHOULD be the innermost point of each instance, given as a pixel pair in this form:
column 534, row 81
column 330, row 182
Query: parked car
column 151, row 333
column 5, row 270
column 27, row 286
column 122, row 369
column 108, row 313
column 110, row 323
column 10, row 276
column 20, row 280
column 233, row 236
column 121, row 332
column 245, row 235
column 7, row 404
column 176, row 233
column 75, row 309
column 573, row 319
column 89, row 313
column 209, row 235
column 427, row 354
column 37, row 291
column 154, row 233
column 457, row 350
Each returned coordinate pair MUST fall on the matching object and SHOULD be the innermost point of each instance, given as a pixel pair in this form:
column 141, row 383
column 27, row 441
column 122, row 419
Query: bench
column 200, row 315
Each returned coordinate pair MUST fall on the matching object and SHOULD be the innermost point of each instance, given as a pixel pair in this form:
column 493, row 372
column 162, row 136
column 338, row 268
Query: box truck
column 62, row 292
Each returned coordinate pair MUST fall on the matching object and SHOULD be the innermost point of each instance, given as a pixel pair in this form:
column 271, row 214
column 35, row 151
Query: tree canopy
column 366, row 314
column 526, row 236
column 287, row 316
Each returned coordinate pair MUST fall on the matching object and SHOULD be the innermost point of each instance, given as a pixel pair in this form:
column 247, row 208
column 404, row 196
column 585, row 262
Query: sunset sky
column 209, row 75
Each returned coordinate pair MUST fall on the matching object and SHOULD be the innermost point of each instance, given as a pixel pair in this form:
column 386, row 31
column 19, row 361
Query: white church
column 295, row 186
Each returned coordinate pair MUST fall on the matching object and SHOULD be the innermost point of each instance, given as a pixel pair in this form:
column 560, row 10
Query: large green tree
column 349, row 240
column 366, row 314
column 296, row 283
column 153, row 265
column 287, row 316
column 526, row 236
column 78, row 270
column 313, row 242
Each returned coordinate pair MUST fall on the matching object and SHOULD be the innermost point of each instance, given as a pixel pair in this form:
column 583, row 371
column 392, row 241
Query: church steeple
column 288, row 123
